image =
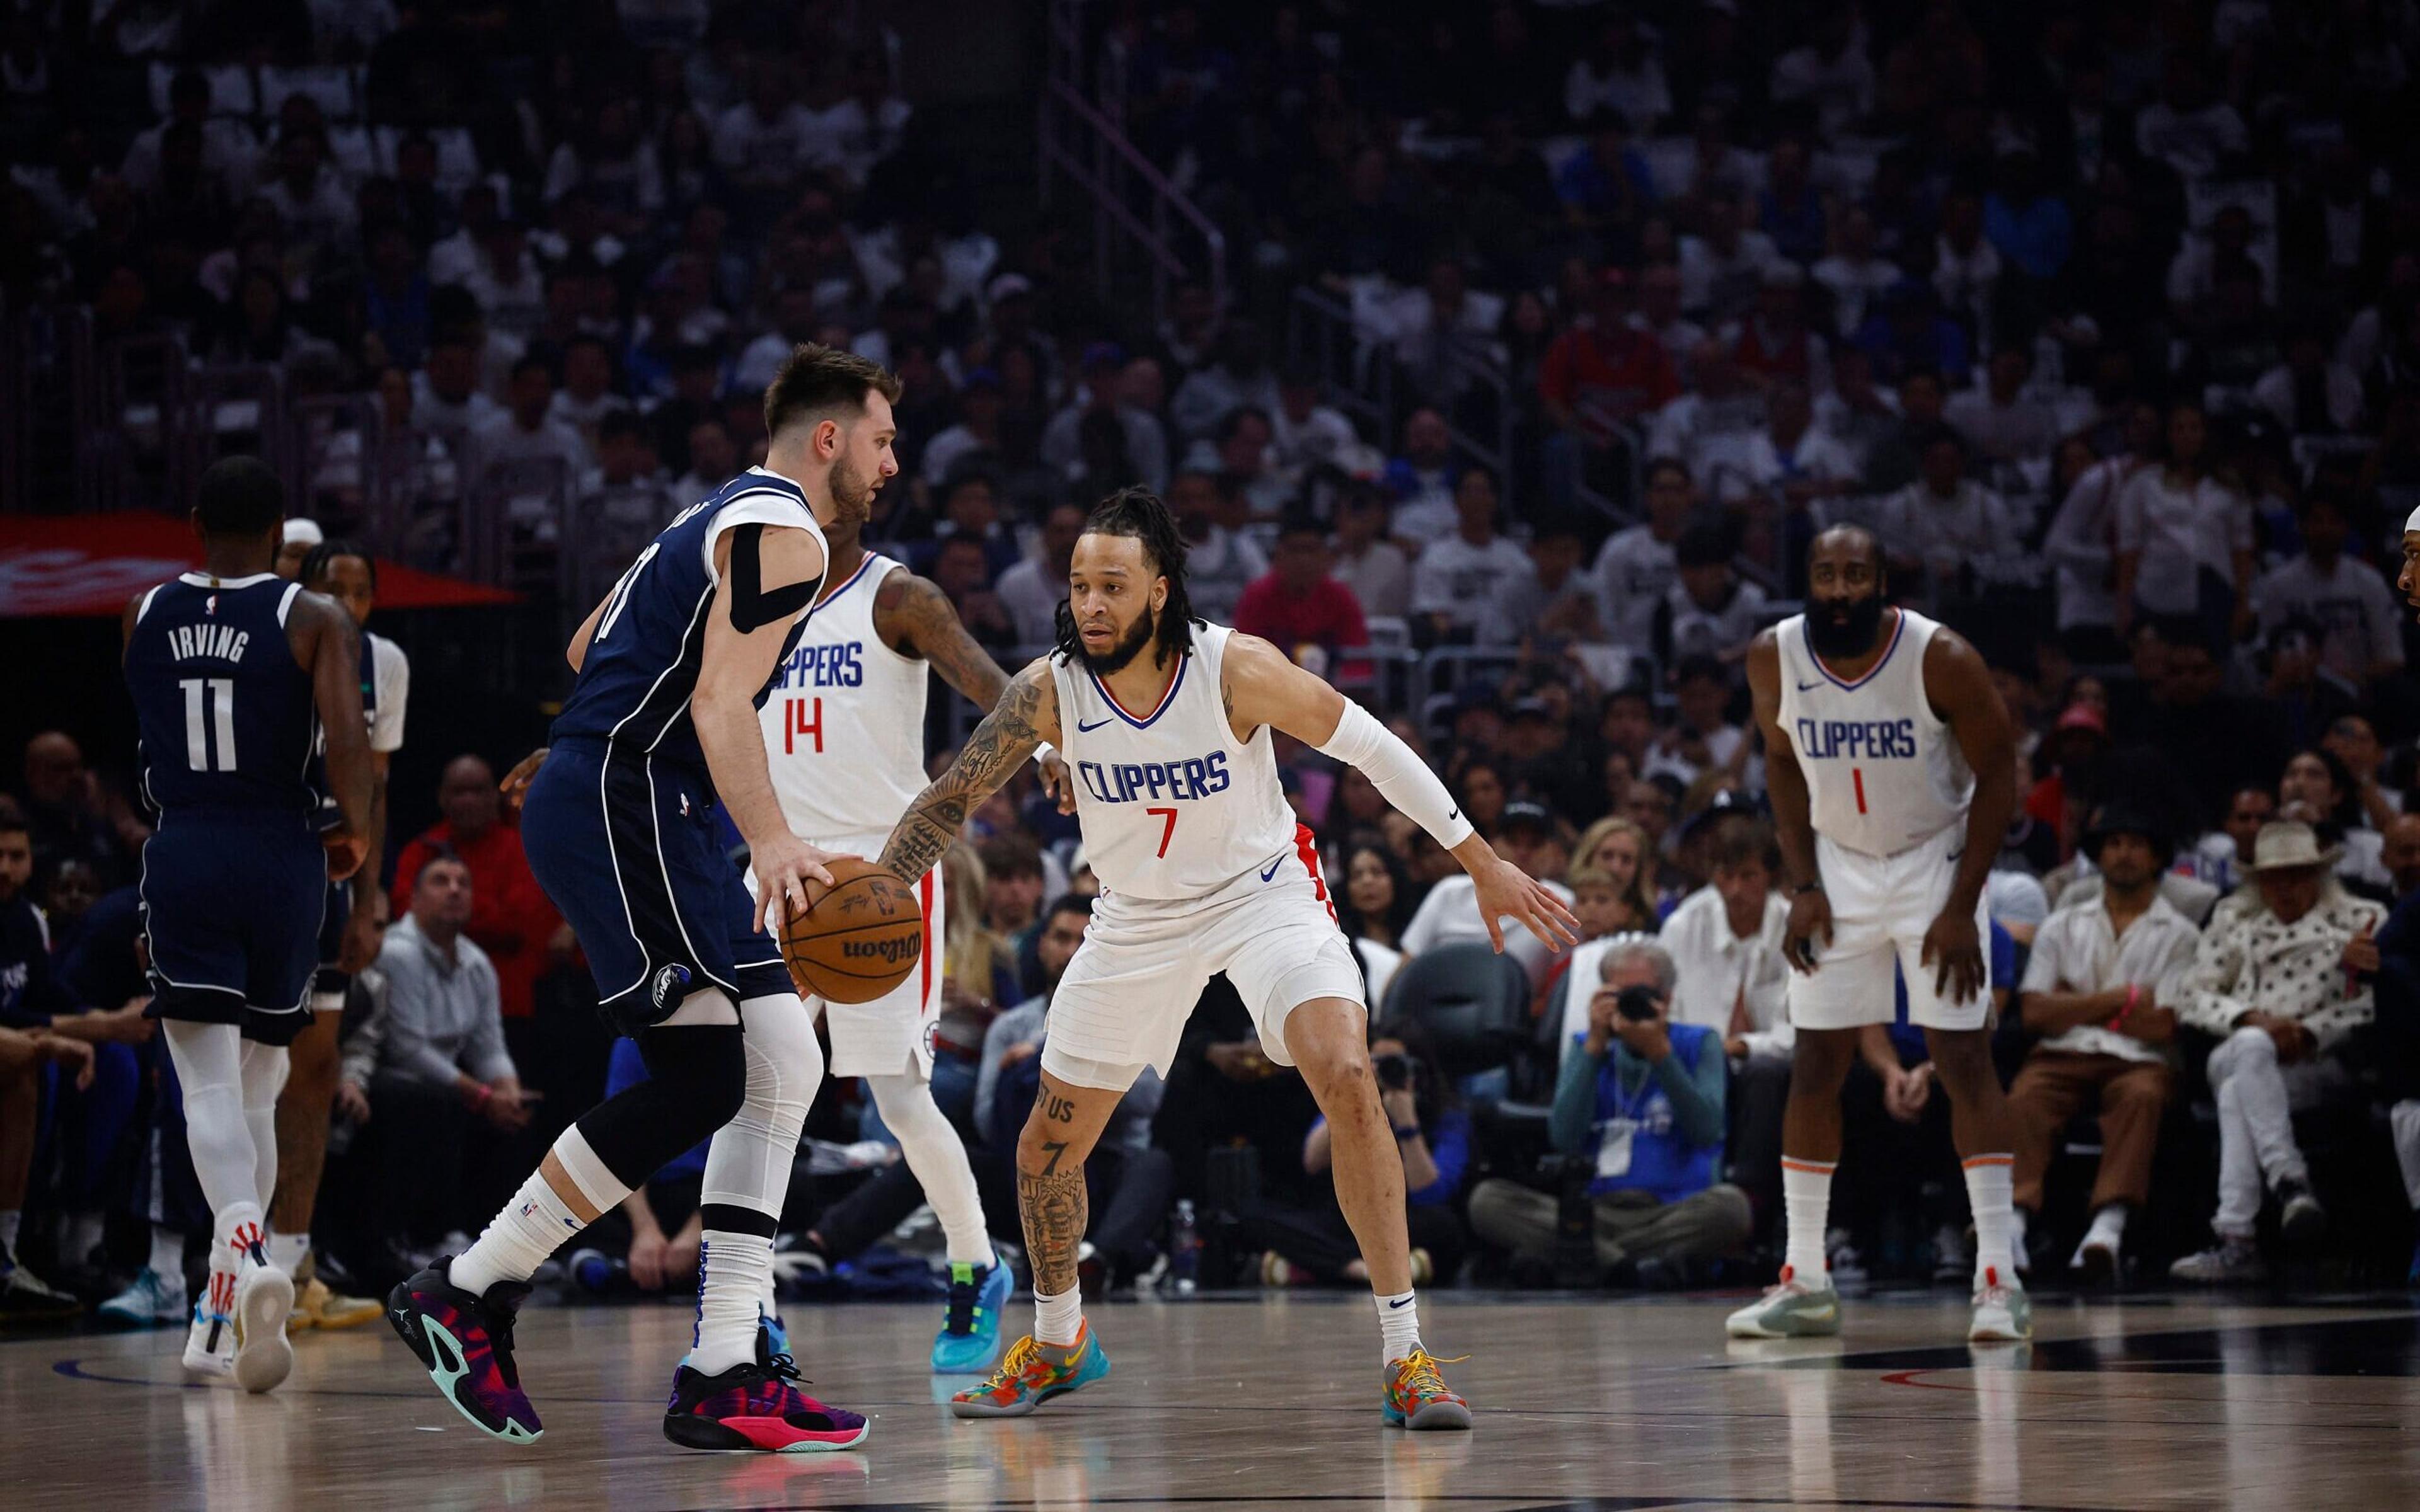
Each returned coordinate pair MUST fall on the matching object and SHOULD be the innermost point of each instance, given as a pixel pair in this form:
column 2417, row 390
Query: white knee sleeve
column 748, row 1164
column 264, row 1071
column 210, row 1062
column 938, row 1158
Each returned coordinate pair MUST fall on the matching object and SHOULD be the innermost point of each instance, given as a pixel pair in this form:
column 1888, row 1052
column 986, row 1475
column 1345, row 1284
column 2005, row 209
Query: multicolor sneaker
column 1416, row 1396
column 264, row 1357
column 210, row 1340
column 1032, row 1374
column 754, row 1406
column 2003, row 1313
column 969, row 1339
column 467, row 1344
column 1790, row 1309
column 149, row 1300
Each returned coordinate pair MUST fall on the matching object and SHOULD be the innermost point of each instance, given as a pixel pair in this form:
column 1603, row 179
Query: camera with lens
column 1637, row 1004
column 1394, row 1071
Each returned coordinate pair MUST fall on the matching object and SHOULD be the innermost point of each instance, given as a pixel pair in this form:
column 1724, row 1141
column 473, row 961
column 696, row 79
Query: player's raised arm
column 764, row 576
column 1026, row 716
column 1793, row 824
column 1263, row 686
column 913, row 614
column 1959, row 687
column 326, row 641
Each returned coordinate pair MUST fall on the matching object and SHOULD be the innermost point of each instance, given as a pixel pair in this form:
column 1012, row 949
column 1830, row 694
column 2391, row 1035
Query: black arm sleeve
column 752, row 606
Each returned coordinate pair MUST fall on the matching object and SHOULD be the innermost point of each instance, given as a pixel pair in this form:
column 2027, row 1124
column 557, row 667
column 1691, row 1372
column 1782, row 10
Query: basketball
column 858, row 938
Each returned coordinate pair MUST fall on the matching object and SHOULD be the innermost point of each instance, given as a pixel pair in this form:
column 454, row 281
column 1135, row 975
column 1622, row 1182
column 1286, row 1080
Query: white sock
column 1987, row 1193
column 2108, row 1224
column 733, row 1271
column 1806, row 1203
column 168, row 1255
column 533, row 1223
column 287, row 1251
column 1399, row 1326
column 9, row 1220
column 1058, row 1319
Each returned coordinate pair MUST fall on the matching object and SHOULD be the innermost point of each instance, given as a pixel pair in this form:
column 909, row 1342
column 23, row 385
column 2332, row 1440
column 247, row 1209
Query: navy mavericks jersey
column 226, row 716
column 642, row 666
column 329, row 816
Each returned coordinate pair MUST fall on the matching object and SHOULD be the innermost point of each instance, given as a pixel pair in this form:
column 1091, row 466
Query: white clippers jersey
column 844, row 721
column 1883, row 771
column 1172, row 806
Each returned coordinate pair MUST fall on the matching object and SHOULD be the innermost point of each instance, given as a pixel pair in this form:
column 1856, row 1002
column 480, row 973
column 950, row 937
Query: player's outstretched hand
column 1810, row 917
column 783, row 865
column 515, row 787
column 1505, row 891
column 1954, row 949
column 345, row 852
column 1056, row 784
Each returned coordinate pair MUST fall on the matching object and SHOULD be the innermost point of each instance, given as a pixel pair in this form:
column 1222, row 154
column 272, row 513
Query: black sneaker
column 756, row 1406
column 466, row 1343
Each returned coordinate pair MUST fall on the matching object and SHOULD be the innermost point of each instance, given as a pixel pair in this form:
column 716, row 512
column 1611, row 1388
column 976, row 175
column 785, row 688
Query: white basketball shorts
column 1882, row 905
column 1123, row 1004
column 892, row 1035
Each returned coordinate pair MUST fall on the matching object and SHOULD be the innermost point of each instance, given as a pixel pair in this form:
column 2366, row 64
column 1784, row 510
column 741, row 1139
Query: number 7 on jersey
column 1167, row 829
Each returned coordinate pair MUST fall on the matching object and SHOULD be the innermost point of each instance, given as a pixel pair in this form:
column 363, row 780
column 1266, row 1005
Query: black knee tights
column 697, row 1076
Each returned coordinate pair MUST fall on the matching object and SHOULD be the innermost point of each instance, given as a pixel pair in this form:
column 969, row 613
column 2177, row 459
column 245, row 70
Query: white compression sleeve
column 1400, row 776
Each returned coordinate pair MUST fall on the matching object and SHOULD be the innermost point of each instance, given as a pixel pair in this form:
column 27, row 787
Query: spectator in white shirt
column 1702, row 739
column 528, row 431
column 2102, row 988
column 1965, row 265
column 1944, row 528
column 1853, row 274
column 977, row 430
column 2309, row 394
column 1618, row 73
column 1241, row 376
column 2362, row 621
column 230, row 153
column 1832, row 72
column 1638, row 566
column 1659, row 315
column 1306, row 432
column 445, row 394
column 1220, row 561
column 1998, row 420
column 1146, row 442
column 868, row 125
column 2188, row 128
column 764, row 143
column 310, row 198
column 1366, row 560
column 2184, row 539
column 1526, row 836
column 1556, row 598
column 1423, row 478
column 1032, row 590
column 1710, row 611
column 588, row 393
column 1790, row 455
column 1722, row 269
column 2081, row 545
column 1459, row 576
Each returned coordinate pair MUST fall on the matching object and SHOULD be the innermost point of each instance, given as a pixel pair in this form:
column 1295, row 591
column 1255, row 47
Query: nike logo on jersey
column 1272, row 869
column 1084, row 729
column 1804, row 686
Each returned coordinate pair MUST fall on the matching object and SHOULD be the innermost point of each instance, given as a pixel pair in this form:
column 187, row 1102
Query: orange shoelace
column 1025, row 1356
column 1417, row 1374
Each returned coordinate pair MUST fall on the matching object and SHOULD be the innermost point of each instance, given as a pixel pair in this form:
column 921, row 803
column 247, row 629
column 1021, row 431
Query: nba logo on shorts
column 933, row 1039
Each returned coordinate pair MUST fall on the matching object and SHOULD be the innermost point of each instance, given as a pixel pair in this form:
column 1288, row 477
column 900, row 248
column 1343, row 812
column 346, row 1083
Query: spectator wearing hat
column 2101, row 989
column 2282, row 983
column 1712, row 611
column 1524, row 834
column 1459, row 576
column 1146, row 440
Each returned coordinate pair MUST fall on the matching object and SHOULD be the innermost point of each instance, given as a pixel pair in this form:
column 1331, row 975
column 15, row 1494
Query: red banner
column 62, row 565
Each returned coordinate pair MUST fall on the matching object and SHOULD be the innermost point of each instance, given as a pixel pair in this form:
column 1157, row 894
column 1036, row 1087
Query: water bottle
column 1184, row 1248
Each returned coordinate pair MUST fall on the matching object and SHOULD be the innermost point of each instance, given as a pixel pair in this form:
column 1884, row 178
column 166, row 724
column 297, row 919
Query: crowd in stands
column 2107, row 321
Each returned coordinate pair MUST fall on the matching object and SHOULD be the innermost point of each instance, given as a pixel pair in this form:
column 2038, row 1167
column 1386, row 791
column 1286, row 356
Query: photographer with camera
column 1313, row 1243
column 1643, row 1098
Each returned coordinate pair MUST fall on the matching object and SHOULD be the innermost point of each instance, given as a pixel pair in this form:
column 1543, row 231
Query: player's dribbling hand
column 783, row 867
column 1954, row 951
column 345, row 852
column 1505, row 891
column 515, row 787
column 1055, row 785
column 1810, row 926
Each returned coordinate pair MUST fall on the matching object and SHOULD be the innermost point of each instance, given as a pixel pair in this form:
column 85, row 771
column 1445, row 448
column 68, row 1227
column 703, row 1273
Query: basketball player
column 1164, row 720
column 235, row 673
column 1893, row 771
column 843, row 727
column 348, row 941
column 661, row 725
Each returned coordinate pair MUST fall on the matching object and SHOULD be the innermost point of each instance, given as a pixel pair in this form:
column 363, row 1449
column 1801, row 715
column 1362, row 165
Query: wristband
column 1412, row 1133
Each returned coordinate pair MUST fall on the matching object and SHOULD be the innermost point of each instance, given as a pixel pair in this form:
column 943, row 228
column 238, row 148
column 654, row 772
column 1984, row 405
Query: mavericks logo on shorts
column 667, row 986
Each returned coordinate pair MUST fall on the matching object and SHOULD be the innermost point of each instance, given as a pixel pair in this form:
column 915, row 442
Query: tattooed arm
column 1026, row 716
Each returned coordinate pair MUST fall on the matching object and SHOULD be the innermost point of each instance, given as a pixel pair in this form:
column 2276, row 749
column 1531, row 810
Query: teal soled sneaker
column 1790, row 1309
column 969, row 1343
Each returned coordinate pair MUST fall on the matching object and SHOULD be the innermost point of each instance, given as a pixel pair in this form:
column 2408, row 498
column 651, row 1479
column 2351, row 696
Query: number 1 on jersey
column 1166, row 830
column 1858, row 775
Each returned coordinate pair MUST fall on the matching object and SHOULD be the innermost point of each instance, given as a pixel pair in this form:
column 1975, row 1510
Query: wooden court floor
column 2157, row 1402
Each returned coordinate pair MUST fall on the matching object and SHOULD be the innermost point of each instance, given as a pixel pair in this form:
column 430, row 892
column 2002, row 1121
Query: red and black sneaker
column 754, row 1406
column 467, row 1344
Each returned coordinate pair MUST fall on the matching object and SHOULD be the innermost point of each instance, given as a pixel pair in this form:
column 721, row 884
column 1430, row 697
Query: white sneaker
column 2003, row 1313
column 263, row 1355
column 210, row 1341
column 1790, row 1309
column 2096, row 1259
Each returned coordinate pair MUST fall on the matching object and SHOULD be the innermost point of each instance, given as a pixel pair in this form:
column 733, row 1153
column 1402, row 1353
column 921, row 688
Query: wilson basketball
column 859, row 938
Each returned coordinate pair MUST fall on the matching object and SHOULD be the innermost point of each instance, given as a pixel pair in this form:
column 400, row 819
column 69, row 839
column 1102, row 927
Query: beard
column 852, row 495
column 1103, row 664
column 1843, row 629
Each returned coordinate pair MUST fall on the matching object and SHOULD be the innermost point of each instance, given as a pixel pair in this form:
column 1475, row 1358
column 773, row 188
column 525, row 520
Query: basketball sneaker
column 209, row 1339
column 1416, row 1396
column 1790, row 1309
column 149, row 1300
column 264, row 1357
column 754, row 1406
column 2003, row 1313
column 2228, row 1262
column 1033, row 1373
column 467, row 1344
column 969, row 1340
column 772, row 1336
column 26, row 1297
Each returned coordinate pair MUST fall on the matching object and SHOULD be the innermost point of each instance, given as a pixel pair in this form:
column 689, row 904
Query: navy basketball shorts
column 628, row 849
column 232, row 905
column 329, row 978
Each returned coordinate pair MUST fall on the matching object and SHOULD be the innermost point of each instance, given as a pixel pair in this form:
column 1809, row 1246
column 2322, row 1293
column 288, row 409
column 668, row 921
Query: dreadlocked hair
column 1139, row 513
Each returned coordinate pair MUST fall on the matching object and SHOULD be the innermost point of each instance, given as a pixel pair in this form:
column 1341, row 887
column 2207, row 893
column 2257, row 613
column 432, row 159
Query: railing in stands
column 1138, row 215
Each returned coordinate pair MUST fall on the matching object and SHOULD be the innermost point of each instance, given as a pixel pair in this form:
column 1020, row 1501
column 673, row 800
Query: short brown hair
column 1746, row 843
column 815, row 377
